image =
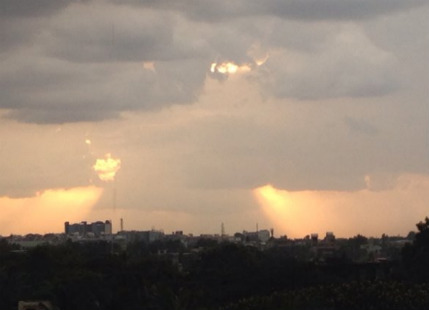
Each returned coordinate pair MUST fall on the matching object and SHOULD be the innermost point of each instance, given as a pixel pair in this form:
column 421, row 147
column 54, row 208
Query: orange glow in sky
column 149, row 65
column 273, row 199
column 47, row 211
column 284, row 209
column 347, row 213
column 107, row 167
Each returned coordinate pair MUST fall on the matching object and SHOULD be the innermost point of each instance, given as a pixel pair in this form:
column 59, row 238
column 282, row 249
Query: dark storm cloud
column 15, row 32
column 31, row 8
column 93, row 60
column 61, row 92
column 125, row 35
column 87, row 64
column 335, row 9
column 345, row 64
column 61, row 114
column 21, row 20
column 212, row 11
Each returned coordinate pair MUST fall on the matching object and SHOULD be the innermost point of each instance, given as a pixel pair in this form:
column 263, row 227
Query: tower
column 108, row 227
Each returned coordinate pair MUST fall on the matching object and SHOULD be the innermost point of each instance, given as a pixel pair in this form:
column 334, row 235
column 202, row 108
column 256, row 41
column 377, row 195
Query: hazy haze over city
column 304, row 116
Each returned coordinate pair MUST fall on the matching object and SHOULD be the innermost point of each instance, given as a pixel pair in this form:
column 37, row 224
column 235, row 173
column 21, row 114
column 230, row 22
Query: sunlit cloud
column 47, row 211
column 392, row 211
column 258, row 53
column 229, row 68
column 107, row 167
column 149, row 65
column 261, row 61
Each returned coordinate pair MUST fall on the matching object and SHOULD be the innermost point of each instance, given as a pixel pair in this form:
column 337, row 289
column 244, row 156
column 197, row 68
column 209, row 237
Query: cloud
column 346, row 65
column 107, row 167
column 21, row 21
column 106, row 33
column 360, row 126
column 29, row 8
column 243, row 141
column 39, row 91
column 92, row 68
column 337, row 9
column 206, row 10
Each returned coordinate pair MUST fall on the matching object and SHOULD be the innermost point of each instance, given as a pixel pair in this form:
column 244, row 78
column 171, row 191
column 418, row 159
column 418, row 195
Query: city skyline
column 105, row 229
column 302, row 117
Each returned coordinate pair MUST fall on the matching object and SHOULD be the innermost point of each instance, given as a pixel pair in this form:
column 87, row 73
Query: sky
column 302, row 116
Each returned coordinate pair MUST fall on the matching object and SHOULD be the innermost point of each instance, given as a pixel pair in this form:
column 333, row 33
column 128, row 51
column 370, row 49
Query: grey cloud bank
column 83, row 61
column 213, row 11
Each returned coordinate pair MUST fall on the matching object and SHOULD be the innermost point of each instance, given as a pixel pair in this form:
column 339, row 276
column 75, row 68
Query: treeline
column 88, row 276
column 95, row 275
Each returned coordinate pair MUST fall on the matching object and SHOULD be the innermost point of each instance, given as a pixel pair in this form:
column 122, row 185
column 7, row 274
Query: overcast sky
column 303, row 116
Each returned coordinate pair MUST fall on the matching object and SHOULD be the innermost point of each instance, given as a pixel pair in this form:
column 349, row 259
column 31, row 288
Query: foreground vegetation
column 222, row 276
column 388, row 295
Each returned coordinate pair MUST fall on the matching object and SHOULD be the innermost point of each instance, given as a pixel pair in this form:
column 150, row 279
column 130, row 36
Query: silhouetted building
column 145, row 236
column 329, row 238
column 255, row 236
column 314, row 238
column 97, row 229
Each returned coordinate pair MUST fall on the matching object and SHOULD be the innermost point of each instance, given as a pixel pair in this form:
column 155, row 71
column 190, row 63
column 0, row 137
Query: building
column 148, row 236
column 82, row 229
column 259, row 236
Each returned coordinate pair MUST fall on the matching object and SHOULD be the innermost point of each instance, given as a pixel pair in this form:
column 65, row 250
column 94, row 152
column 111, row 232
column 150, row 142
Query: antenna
column 114, row 196
column 114, row 199
column 222, row 230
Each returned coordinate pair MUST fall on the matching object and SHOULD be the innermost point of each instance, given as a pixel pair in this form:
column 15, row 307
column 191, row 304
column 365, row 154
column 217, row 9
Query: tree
column 416, row 255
